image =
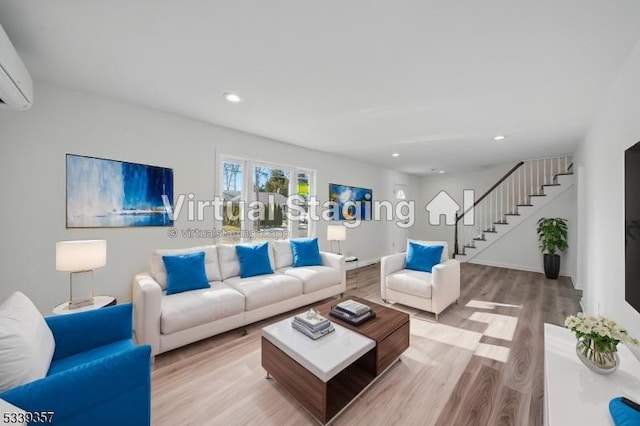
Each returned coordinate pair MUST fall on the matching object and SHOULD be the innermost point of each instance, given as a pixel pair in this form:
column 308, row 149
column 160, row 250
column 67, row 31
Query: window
column 256, row 199
column 232, row 193
column 304, row 192
column 271, row 190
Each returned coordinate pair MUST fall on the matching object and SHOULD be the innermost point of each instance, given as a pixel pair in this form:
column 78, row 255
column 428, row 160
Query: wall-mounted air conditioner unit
column 16, row 86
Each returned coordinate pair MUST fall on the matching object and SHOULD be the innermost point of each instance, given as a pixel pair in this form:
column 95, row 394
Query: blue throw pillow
column 305, row 252
column 622, row 414
column 423, row 258
column 254, row 260
column 185, row 272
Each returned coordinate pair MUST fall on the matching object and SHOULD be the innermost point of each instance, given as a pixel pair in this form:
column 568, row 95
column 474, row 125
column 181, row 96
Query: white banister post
column 513, row 195
column 537, row 176
column 530, row 178
column 519, row 185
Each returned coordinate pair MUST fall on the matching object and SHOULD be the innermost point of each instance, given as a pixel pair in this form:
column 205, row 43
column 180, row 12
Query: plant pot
column 552, row 266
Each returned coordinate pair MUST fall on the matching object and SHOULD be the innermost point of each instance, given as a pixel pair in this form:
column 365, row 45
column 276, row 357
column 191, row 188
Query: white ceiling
column 433, row 80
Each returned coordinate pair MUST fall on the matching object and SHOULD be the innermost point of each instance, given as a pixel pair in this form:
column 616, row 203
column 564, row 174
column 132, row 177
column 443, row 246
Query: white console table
column 575, row 395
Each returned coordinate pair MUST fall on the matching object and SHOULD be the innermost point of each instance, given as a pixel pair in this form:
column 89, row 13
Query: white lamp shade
column 336, row 233
column 76, row 256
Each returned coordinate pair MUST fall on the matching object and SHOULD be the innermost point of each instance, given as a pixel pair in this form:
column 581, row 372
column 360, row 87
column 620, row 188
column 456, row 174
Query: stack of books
column 312, row 325
column 352, row 312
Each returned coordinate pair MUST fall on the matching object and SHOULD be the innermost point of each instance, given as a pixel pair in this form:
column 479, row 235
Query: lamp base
column 75, row 304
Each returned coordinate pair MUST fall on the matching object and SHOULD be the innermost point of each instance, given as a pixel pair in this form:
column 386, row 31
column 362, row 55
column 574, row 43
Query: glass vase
column 598, row 357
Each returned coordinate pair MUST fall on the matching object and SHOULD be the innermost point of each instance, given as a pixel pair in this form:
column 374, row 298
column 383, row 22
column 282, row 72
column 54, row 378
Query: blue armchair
column 98, row 376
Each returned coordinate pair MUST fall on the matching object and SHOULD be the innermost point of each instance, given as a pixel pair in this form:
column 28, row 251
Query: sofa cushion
column 305, row 252
column 283, row 255
column 185, row 272
column 265, row 290
column 254, row 259
column 192, row 308
column 26, row 342
column 445, row 251
column 159, row 272
column 417, row 283
column 423, row 258
column 314, row 277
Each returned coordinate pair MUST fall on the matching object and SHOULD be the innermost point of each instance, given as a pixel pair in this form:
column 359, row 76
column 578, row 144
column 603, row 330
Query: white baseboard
column 527, row 268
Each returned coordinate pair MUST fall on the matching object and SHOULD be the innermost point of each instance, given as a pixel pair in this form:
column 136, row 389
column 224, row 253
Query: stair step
column 513, row 210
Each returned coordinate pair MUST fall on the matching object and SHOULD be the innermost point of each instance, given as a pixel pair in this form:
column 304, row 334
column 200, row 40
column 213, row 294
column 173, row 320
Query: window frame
column 248, row 194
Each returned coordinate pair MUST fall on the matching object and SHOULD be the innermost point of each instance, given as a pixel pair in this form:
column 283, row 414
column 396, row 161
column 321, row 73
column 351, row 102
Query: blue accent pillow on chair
column 305, row 252
column 423, row 258
column 254, row 260
column 185, row 272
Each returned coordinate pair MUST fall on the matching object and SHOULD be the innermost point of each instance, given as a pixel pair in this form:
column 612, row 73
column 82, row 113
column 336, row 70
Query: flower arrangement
column 603, row 332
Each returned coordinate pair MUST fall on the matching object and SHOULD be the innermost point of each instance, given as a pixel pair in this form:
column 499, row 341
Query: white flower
column 606, row 330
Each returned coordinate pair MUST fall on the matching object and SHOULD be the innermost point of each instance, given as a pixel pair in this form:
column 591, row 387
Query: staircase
column 525, row 189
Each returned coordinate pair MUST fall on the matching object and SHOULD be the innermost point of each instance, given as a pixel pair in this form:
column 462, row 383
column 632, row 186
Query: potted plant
column 552, row 234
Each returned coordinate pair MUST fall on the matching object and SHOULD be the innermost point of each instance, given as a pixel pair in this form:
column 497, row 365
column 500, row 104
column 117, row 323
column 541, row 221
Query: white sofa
column 432, row 292
column 169, row 321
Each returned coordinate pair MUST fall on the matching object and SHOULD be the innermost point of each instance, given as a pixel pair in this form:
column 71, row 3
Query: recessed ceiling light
column 441, row 171
column 232, row 97
column 395, row 154
column 499, row 137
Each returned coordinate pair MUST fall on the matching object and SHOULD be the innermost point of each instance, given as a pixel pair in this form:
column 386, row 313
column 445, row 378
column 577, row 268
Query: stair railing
column 525, row 180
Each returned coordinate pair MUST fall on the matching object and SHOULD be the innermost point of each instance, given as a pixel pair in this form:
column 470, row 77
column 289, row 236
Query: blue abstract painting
column 353, row 203
column 107, row 193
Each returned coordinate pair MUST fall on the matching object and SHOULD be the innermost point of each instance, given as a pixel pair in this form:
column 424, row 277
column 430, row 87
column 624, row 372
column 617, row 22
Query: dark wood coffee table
column 326, row 393
column 390, row 330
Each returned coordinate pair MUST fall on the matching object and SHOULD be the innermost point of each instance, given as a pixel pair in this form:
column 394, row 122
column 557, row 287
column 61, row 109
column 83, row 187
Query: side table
column 98, row 302
column 352, row 265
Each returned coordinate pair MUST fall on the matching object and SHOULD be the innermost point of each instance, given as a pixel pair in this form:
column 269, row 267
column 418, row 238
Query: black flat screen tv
column 632, row 225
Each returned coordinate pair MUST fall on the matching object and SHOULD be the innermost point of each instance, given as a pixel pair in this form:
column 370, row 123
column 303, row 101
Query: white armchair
column 432, row 292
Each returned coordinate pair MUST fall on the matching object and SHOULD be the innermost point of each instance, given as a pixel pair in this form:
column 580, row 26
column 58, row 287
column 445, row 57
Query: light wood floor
column 481, row 364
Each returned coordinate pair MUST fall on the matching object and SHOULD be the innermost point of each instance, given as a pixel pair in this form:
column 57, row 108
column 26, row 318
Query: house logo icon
column 443, row 204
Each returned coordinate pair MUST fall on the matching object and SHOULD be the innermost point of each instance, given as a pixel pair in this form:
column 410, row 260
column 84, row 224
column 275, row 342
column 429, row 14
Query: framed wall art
column 105, row 193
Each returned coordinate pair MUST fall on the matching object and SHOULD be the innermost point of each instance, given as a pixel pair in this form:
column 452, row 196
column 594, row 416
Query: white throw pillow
column 229, row 262
column 283, row 253
column 26, row 342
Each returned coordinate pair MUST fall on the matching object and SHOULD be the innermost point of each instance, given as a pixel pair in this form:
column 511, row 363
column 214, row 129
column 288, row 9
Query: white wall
column 602, row 262
column 32, row 172
column 519, row 248
column 454, row 183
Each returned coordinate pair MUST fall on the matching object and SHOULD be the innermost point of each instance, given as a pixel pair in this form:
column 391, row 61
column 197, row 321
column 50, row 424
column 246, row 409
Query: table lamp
column 79, row 257
column 336, row 233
